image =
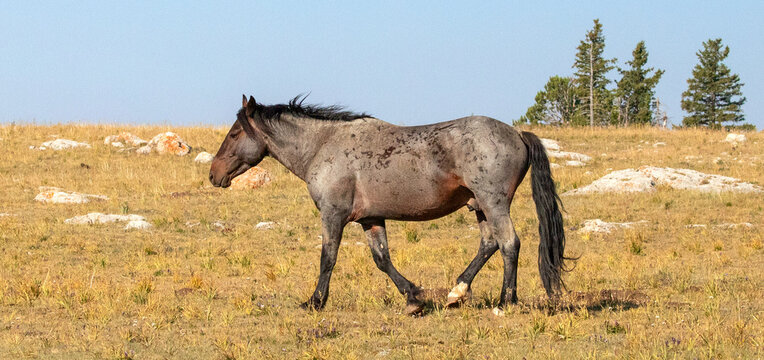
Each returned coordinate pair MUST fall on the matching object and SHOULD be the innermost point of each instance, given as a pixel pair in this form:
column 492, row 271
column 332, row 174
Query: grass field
column 659, row 290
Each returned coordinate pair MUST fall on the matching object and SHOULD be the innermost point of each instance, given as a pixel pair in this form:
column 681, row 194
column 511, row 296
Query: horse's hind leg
column 509, row 245
column 488, row 247
column 376, row 235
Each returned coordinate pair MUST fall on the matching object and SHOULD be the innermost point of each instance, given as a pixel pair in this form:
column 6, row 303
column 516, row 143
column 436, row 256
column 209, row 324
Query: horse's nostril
column 210, row 177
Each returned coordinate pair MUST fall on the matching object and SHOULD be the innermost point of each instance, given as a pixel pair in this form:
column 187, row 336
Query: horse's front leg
column 332, row 227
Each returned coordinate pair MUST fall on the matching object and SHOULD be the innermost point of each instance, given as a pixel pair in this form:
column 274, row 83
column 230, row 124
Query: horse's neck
column 296, row 141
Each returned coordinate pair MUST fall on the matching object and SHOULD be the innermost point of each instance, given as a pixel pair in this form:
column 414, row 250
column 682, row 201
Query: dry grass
column 660, row 290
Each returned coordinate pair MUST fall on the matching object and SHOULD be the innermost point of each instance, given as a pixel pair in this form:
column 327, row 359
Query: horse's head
column 242, row 148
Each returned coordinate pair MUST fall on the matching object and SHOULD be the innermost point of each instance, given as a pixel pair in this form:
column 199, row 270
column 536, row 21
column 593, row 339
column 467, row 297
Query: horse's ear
column 244, row 101
column 250, row 106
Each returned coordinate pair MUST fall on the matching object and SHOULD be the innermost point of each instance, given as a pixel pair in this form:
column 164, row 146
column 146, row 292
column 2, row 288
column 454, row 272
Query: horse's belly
column 414, row 202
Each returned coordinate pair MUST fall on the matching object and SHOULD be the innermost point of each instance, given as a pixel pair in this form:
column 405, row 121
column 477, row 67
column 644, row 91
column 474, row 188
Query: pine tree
column 595, row 100
column 713, row 95
column 636, row 89
column 554, row 105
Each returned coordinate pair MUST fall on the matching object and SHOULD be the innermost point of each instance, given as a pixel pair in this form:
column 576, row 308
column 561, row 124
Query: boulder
column 124, row 138
column 100, row 218
column 166, row 143
column 735, row 138
column 599, row 226
column 57, row 196
column 645, row 179
column 265, row 225
column 251, row 179
column 133, row 221
column 204, row 157
column 61, row 144
column 550, row 144
column 137, row 225
column 554, row 150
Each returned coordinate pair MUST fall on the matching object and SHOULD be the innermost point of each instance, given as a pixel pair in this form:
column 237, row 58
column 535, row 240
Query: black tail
column 552, row 245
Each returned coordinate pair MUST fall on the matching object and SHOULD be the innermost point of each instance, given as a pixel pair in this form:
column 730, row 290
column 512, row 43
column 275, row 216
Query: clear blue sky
column 406, row 62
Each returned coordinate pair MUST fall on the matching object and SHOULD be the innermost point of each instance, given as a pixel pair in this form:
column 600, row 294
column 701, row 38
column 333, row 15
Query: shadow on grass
column 593, row 301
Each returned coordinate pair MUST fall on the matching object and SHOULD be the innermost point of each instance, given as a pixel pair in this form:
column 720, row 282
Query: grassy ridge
column 204, row 292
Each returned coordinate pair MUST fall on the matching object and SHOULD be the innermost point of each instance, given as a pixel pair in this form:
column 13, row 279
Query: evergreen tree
column 595, row 100
column 636, row 89
column 554, row 105
column 713, row 95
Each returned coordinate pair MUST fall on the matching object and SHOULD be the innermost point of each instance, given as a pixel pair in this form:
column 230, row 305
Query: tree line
column 713, row 97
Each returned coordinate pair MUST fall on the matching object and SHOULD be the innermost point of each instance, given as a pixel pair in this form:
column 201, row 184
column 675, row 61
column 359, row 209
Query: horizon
column 409, row 64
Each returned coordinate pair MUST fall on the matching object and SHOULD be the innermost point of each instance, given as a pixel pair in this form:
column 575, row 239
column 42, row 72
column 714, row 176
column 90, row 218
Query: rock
column 553, row 150
column 645, row 178
column 57, row 196
column 660, row 143
column 265, row 225
column 251, row 179
column 144, row 150
column 124, row 138
column 166, row 143
column 554, row 166
column 61, row 144
column 204, row 157
column 99, row 218
column 599, row 226
column 574, row 163
column 569, row 155
column 137, row 225
column 550, row 144
column 735, row 138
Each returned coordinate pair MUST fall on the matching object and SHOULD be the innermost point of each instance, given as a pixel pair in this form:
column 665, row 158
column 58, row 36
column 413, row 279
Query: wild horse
column 358, row 168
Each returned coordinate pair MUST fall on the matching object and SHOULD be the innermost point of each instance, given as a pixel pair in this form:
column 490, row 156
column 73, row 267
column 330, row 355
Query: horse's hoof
column 457, row 295
column 498, row 312
column 414, row 308
column 310, row 305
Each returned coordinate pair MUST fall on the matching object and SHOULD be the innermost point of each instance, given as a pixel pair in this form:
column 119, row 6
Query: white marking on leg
column 498, row 312
column 458, row 291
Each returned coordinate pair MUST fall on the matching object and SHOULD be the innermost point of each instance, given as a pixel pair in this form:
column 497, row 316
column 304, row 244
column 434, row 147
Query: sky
column 405, row 62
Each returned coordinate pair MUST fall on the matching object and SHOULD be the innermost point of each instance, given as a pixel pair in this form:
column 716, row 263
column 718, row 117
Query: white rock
column 553, row 150
column 645, row 178
column 61, row 144
column 57, row 196
column 265, row 225
column 550, row 144
column 100, row 218
column 204, row 157
column 574, row 163
column 137, row 225
column 599, row 226
column 735, row 138
column 144, row 150
column 569, row 155
column 554, row 166
column 660, row 143
column 124, row 138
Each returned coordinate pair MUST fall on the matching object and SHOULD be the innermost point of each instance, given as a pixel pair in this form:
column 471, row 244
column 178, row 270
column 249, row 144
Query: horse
column 361, row 169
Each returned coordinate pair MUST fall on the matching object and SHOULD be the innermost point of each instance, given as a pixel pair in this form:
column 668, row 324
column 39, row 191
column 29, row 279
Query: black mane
column 296, row 108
